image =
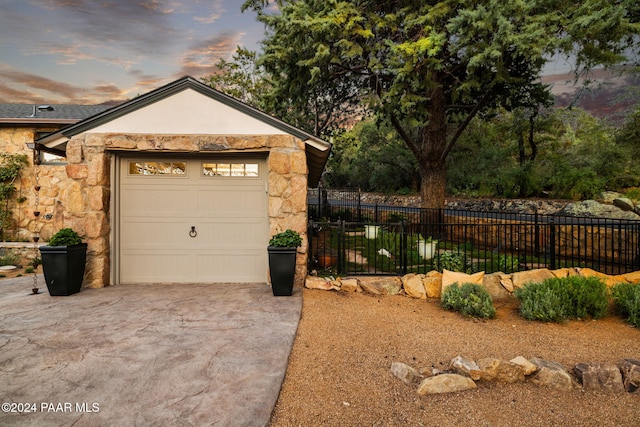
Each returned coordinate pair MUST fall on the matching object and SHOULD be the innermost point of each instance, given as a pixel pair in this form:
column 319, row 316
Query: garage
column 192, row 220
column 184, row 184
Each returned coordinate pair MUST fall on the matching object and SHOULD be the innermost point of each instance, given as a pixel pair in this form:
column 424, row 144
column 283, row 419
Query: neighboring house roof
column 43, row 114
column 317, row 150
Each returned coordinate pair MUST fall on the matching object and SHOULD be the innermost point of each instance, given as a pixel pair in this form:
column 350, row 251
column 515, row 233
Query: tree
column 430, row 67
column 241, row 78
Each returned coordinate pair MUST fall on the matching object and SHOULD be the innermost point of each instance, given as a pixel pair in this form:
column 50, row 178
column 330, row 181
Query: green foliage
column 11, row 166
column 9, row 259
column 559, row 299
column 287, row 239
column 452, row 261
column 371, row 157
column 428, row 67
column 508, row 263
column 65, row 237
column 469, row 299
column 626, row 297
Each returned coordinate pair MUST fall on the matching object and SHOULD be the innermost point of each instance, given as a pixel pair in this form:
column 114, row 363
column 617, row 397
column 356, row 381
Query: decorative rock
column 349, row 285
column 404, row 372
column 506, row 282
column 521, row 278
column 564, row 272
column 318, row 283
column 551, row 374
column 492, row 369
column 527, row 367
column 593, row 209
column 630, row 369
column 608, row 280
column 633, row 277
column 380, row 285
column 465, row 367
column 600, row 377
column 623, row 203
column 433, row 284
column 445, row 383
column 493, row 285
column 413, row 286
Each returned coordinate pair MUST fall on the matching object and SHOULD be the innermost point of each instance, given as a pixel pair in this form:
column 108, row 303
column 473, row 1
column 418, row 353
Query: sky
column 95, row 51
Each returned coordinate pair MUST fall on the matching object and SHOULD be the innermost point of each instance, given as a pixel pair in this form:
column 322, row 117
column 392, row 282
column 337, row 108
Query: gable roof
column 47, row 113
column 317, row 150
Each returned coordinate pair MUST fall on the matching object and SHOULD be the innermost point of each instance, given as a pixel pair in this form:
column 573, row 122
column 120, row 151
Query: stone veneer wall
column 86, row 193
column 77, row 195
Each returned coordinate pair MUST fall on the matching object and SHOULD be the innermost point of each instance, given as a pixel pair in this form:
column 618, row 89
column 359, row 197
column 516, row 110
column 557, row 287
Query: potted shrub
column 427, row 247
column 63, row 262
column 282, row 261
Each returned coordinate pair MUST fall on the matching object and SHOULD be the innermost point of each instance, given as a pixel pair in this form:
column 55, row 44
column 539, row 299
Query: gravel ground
column 339, row 369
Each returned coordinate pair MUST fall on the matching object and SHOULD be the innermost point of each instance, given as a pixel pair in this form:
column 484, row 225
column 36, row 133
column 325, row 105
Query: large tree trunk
column 432, row 161
column 432, row 184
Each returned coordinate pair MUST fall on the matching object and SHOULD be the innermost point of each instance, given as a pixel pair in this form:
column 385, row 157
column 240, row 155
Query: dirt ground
column 339, row 369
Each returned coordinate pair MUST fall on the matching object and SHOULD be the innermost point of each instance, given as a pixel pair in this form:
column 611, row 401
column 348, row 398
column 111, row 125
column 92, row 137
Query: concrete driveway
column 170, row 355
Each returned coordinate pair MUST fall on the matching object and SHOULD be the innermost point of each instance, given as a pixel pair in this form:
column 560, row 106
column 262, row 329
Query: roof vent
column 37, row 108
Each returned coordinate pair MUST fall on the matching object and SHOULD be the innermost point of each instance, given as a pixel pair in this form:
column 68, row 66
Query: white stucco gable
column 187, row 113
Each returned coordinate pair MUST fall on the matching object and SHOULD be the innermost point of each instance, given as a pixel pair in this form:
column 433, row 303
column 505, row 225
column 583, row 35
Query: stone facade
column 78, row 194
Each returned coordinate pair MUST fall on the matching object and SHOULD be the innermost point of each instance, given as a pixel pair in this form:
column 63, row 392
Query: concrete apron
column 127, row 355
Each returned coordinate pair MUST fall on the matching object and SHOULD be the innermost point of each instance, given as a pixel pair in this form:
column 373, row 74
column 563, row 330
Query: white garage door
column 193, row 220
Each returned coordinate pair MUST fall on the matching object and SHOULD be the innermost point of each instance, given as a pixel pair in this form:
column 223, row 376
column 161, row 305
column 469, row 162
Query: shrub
column 287, row 239
column 65, row 237
column 626, row 297
column 469, row 299
column 9, row 259
column 508, row 263
column 559, row 299
column 452, row 261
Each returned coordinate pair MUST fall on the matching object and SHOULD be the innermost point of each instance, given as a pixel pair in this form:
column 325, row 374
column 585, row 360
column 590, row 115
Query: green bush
column 626, row 297
column 65, row 237
column 9, row 259
column 559, row 299
column 286, row 239
column 452, row 261
column 469, row 299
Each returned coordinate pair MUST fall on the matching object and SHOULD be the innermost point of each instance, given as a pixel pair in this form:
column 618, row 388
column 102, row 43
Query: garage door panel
column 157, row 212
column 243, row 201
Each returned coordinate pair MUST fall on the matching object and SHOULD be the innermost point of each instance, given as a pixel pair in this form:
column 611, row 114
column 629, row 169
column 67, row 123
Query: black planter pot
column 282, row 269
column 63, row 268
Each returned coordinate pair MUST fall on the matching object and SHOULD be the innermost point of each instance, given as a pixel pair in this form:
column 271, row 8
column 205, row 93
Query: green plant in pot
column 282, row 261
column 63, row 262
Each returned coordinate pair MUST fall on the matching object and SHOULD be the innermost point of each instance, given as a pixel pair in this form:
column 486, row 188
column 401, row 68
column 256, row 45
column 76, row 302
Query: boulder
column 349, row 285
column 381, row 285
column 445, row 383
column 633, row 277
column 527, row 367
column 318, row 283
column 413, row 286
column 608, row 280
column 492, row 369
column 630, row 370
column 433, row 284
column 593, row 209
column 521, row 278
column 506, row 282
column 599, row 376
column 492, row 283
column 465, row 367
column 404, row 372
column 564, row 272
column 451, row 277
column 551, row 374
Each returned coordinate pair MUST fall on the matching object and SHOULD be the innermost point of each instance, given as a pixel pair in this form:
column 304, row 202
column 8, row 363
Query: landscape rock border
column 500, row 286
column 463, row 374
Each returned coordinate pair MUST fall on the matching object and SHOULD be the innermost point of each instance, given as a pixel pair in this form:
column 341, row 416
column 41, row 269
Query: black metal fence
column 355, row 238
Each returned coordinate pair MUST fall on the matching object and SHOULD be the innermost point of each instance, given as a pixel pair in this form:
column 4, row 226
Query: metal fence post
column 404, row 250
column 536, row 236
column 552, row 244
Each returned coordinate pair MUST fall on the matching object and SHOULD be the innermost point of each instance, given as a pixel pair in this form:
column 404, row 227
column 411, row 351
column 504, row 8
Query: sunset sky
column 92, row 51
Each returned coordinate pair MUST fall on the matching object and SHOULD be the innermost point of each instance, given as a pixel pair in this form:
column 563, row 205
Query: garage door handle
column 193, row 232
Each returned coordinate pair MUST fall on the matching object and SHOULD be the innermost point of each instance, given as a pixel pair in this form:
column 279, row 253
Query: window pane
column 179, row 168
column 224, row 169
column 157, row 168
column 251, row 169
column 237, row 169
column 209, row 169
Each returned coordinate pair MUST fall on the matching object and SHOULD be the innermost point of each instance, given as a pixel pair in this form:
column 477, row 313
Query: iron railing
column 477, row 241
